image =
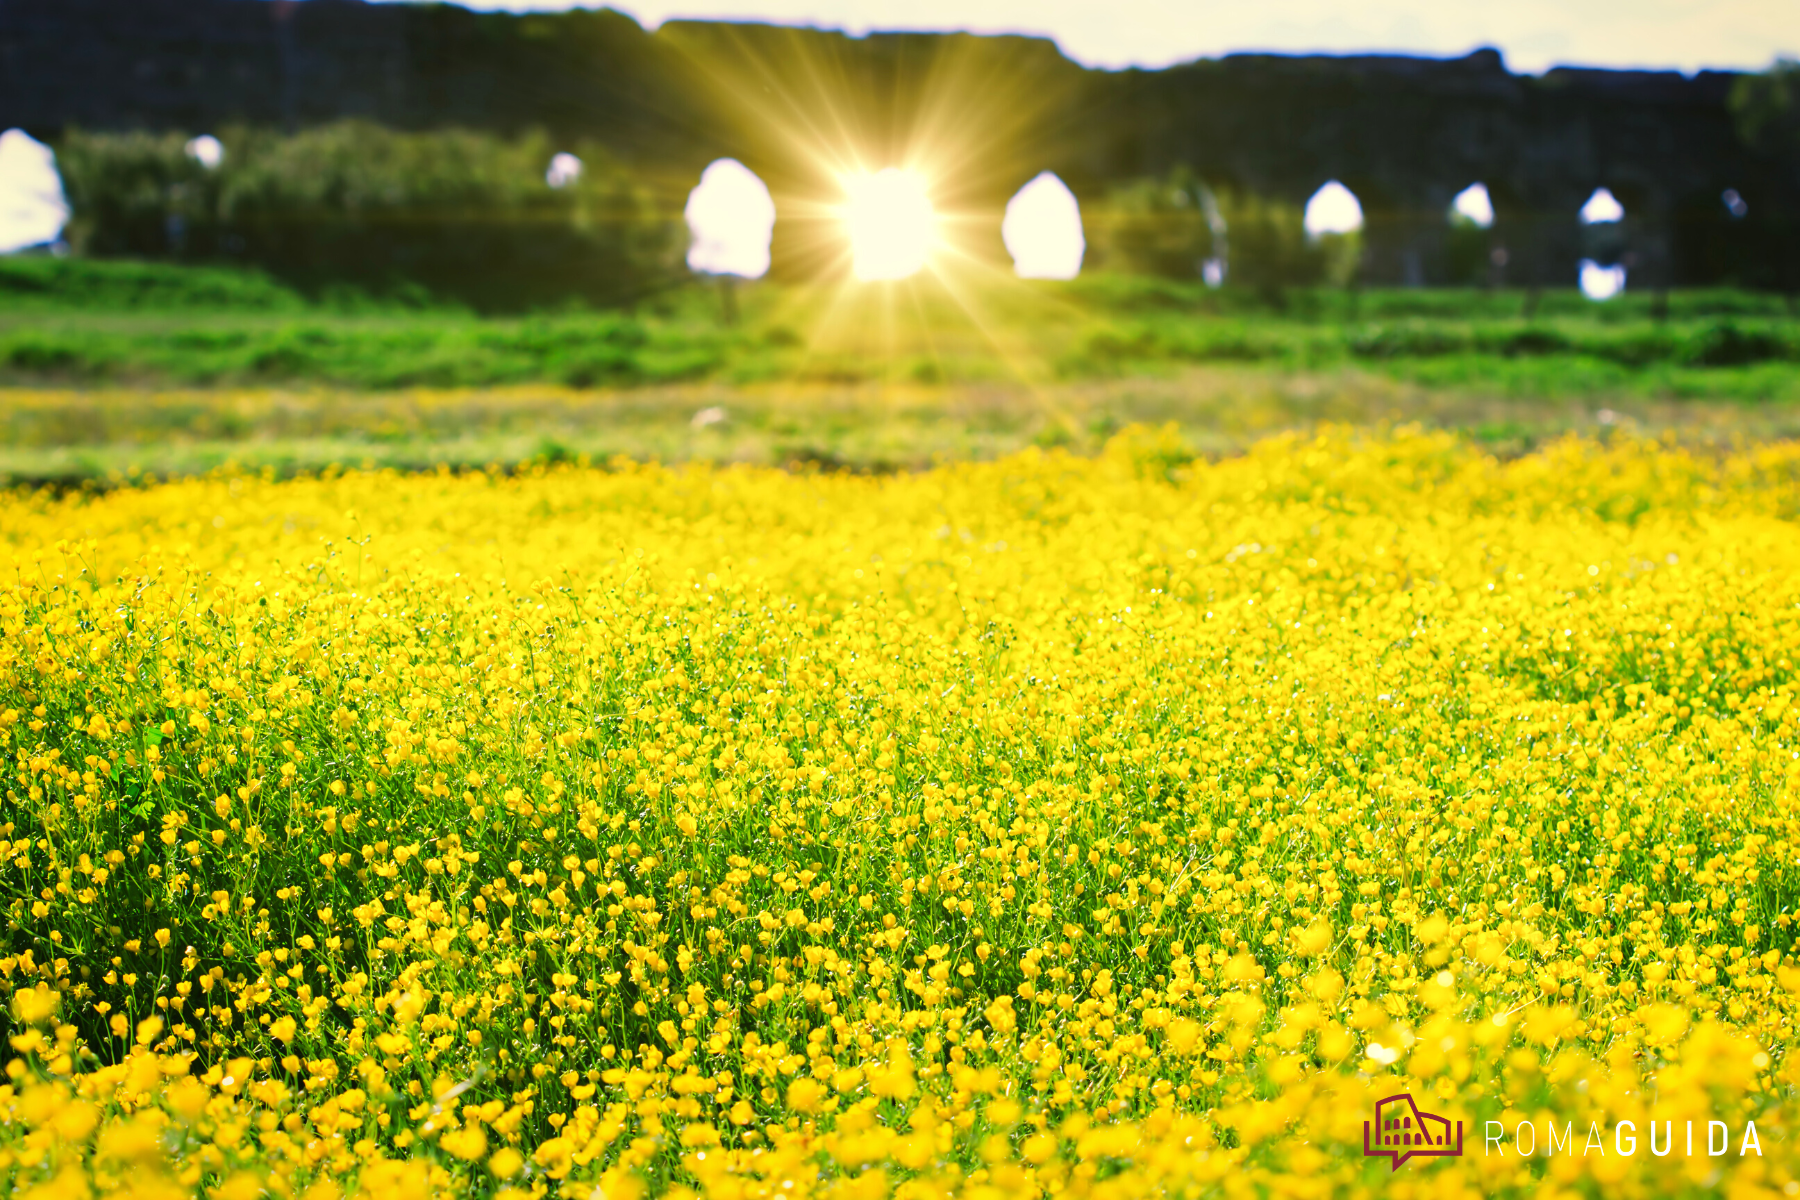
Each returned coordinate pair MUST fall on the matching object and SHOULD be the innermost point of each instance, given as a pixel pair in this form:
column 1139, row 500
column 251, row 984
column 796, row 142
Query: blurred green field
column 86, row 322
column 110, row 367
column 77, row 438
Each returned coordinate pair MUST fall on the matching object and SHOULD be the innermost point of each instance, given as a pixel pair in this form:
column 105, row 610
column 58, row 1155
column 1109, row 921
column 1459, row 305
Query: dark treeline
column 457, row 215
column 471, row 218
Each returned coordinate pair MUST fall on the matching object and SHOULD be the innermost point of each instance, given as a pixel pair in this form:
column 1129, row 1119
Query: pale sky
column 1533, row 34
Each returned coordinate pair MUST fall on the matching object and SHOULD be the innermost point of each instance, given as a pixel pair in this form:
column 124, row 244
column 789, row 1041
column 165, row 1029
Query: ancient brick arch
column 1403, row 133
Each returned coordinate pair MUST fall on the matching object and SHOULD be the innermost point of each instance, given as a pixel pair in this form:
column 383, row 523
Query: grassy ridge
column 91, row 323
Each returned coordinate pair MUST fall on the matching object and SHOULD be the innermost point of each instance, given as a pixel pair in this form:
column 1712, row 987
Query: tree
column 466, row 215
column 1766, row 108
column 1163, row 227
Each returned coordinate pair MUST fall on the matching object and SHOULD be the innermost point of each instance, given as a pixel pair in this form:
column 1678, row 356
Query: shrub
column 1529, row 341
column 1162, row 227
column 1726, row 345
column 1266, row 244
column 468, row 216
column 137, row 194
column 1406, row 341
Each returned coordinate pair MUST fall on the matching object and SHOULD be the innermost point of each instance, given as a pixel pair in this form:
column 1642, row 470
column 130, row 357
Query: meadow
column 113, row 370
column 1119, row 824
column 95, row 322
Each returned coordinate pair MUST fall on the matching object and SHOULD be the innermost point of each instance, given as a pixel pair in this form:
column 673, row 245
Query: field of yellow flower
column 1115, row 826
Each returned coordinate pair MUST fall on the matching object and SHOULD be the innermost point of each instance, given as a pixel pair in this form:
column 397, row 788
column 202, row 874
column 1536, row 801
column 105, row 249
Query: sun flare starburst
column 892, row 166
column 892, row 227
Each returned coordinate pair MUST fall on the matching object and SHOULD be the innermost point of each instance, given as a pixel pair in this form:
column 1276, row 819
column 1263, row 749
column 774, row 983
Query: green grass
column 80, row 437
column 107, row 368
column 85, row 323
column 39, row 283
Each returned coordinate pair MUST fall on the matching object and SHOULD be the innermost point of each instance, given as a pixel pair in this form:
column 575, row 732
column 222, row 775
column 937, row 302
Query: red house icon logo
column 1402, row 1131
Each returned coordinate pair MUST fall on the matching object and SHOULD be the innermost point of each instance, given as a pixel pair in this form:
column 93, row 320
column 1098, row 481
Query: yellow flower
column 555, row 1156
column 1131, row 823
column 1313, row 940
column 468, row 1143
column 803, row 1095
column 35, row 1005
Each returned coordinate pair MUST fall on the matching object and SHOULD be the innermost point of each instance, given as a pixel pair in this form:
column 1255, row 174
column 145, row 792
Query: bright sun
column 892, row 225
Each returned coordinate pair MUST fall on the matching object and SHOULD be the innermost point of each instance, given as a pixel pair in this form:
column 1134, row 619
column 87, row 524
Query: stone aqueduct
column 1405, row 134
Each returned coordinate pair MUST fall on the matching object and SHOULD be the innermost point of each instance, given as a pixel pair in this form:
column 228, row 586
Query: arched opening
column 1333, row 222
column 1603, row 246
column 1468, row 248
column 33, row 210
column 1601, row 283
column 565, row 169
column 1333, row 209
column 731, row 219
column 206, row 150
column 1602, row 208
column 1473, row 207
column 1042, row 230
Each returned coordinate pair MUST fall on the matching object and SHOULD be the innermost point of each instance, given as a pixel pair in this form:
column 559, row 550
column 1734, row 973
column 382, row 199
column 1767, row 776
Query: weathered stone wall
column 984, row 114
